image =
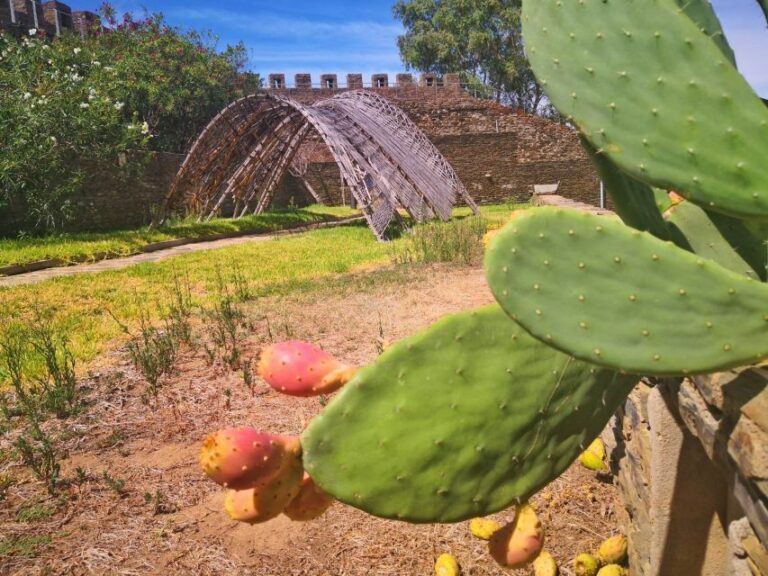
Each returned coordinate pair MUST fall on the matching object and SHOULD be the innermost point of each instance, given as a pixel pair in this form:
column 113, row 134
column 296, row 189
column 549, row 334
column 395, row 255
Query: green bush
column 135, row 86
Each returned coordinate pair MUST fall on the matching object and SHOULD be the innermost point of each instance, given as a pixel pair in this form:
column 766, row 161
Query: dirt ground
column 167, row 518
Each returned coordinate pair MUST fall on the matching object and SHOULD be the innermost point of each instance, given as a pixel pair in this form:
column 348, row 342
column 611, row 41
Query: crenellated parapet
column 380, row 81
column 19, row 17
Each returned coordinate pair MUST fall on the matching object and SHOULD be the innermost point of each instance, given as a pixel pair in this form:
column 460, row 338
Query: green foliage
column 458, row 241
column 23, row 546
column 459, row 421
column 36, row 450
column 481, row 40
column 72, row 102
column 59, row 108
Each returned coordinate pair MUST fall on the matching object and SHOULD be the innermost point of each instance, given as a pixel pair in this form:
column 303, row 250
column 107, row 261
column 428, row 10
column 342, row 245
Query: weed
column 159, row 503
column 248, row 378
column 458, row 241
column 242, row 289
column 115, row 484
column 6, row 483
column 35, row 512
column 58, row 384
column 81, row 476
column 225, row 320
column 228, row 399
column 36, row 450
column 180, row 309
column 153, row 352
column 23, row 546
column 115, row 438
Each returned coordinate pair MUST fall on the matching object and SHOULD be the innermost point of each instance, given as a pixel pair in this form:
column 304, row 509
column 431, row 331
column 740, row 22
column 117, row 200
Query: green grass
column 82, row 306
column 23, row 546
column 88, row 246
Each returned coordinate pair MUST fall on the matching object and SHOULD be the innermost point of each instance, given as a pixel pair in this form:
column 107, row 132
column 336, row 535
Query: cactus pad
column 624, row 299
column 461, row 420
column 680, row 116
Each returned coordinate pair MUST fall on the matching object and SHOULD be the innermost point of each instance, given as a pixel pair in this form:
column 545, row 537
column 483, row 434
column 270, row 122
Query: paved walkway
column 119, row 263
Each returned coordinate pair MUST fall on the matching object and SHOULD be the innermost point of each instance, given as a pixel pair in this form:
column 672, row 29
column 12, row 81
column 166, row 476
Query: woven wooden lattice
column 384, row 158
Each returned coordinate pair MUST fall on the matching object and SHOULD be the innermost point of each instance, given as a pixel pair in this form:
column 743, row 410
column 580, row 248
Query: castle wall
column 498, row 152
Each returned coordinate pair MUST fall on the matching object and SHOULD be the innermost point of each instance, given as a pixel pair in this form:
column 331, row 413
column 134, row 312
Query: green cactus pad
column 720, row 238
column 655, row 94
column 635, row 202
column 623, row 299
column 704, row 16
column 461, row 420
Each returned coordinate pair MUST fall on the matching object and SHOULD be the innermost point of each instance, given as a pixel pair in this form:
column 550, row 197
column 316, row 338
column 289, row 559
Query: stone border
column 18, row 269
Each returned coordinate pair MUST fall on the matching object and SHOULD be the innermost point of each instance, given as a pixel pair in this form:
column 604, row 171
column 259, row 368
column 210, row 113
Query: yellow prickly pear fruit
column 613, row 550
column 519, row 543
column 483, row 528
column 612, row 570
column 446, row 565
column 545, row 565
column 585, row 565
column 592, row 458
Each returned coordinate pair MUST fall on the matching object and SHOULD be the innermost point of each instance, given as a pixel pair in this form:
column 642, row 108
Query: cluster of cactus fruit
column 485, row 408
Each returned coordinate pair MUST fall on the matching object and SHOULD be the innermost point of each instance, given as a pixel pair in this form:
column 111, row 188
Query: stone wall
column 498, row 152
column 692, row 467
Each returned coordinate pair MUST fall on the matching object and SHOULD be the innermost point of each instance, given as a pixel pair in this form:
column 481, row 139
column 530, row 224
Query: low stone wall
column 691, row 459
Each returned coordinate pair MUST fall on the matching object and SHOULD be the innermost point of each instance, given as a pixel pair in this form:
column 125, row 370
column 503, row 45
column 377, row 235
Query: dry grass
column 98, row 531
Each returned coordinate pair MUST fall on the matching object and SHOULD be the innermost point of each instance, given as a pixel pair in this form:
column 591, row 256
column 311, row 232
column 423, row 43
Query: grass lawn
column 82, row 306
column 87, row 246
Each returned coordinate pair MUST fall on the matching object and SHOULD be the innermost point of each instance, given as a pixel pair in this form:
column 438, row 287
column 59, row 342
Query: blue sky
column 334, row 36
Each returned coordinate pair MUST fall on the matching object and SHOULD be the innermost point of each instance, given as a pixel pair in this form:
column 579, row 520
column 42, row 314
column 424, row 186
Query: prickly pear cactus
column 461, row 420
column 623, row 299
column 648, row 87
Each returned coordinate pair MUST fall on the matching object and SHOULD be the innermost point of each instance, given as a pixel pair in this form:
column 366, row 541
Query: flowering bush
column 136, row 86
column 57, row 108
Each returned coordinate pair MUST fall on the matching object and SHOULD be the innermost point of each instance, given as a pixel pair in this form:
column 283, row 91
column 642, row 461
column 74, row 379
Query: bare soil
column 167, row 518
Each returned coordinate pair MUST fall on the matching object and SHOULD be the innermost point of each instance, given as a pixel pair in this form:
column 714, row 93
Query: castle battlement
column 54, row 18
column 305, row 82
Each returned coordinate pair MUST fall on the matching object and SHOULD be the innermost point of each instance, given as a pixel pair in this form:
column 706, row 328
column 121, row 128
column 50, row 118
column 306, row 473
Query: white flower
column 32, row 31
column 53, row 139
column 84, row 105
column 77, row 50
column 145, row 128
column 96, row 63
column 46, row 47
column 119, row 105
column 27, row 96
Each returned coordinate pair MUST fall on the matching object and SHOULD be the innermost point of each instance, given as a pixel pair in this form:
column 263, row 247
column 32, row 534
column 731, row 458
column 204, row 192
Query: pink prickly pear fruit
column 267, row 501
column 302, row 369
column 243, row 458
column 310, row 503
column 519, row 543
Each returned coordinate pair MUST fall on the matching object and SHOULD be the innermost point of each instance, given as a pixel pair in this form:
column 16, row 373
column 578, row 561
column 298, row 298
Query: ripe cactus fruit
column 310, row 503
column 655, row 115
column 567, row 276
column 483, row 528
column 518, row 543
column 585, row 565
column 613, row 550
column 446, row 565
column 611, row 570
column 243, row 458
column 266, row 502
column 459, row 421
column 302, row 369
column 545, row 565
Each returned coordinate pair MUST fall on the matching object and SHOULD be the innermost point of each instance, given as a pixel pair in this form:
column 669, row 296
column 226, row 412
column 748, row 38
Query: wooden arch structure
column 385, row 159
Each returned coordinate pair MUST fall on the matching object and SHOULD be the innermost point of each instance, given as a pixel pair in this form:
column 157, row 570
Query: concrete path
column 119, row 263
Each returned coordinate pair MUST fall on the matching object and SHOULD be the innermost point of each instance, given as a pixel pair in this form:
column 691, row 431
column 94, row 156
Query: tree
column 479, row 39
